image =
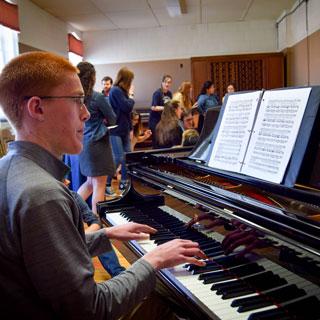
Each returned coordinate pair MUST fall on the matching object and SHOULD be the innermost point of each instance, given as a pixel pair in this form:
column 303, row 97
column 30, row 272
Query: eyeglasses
column 79, row 100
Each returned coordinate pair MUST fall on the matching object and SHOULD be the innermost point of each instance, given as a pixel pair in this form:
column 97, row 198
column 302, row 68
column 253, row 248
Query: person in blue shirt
column 109, row 259
column 121, row 99
column 96, row 161
column 206, row 100
column 159, row 98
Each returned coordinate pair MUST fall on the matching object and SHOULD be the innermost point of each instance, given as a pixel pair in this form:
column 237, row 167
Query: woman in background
column 169, row 130
column 206, row 100
column 230, row 89
column 136, row 134
column 183, row 95
column 159, row 98
column 121, row 99
column 96, row 162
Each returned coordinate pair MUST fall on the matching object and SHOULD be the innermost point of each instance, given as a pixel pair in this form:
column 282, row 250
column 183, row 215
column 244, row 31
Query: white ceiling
column 89, row 15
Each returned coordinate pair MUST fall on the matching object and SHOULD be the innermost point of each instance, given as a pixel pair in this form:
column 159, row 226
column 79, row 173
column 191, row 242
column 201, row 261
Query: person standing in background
column 96, row 162
column 206, row 100
column 183, row 95
column 159, row 98
column 107, row 83
column 121, row 99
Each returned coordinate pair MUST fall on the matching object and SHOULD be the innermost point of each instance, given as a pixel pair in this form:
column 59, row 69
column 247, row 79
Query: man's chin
column 75, row 149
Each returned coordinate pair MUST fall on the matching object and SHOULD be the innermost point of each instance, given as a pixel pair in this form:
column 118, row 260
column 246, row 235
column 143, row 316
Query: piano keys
column 229, row 286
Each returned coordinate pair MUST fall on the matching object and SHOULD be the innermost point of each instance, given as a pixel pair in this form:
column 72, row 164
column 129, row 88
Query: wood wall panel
column 303, row 61
column 248, row 72
column 314, row 58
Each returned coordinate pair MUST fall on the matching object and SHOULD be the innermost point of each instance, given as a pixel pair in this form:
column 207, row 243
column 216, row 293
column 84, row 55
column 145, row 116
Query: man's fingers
column 195, row 252
column 140, row 236
column 144, row 228
column 194, row 261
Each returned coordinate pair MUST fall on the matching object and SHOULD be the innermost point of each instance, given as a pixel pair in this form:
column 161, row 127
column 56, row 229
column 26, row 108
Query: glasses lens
column 79, row 100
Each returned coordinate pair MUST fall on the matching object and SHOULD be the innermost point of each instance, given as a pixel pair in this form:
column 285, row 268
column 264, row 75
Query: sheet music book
column 258, row 132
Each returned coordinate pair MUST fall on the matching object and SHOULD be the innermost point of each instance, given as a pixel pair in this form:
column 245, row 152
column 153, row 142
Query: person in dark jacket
column 121, row 99
column 96, row 162
column 159, row 98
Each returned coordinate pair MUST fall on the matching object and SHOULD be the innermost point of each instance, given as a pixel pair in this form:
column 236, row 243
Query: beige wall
column 303, row 61
column 148, row 76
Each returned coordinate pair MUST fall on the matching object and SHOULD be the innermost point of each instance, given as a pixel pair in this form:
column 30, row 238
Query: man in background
column 107, row 83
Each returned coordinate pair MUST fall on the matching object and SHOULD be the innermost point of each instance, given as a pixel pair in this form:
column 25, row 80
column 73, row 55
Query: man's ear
column 35, row 109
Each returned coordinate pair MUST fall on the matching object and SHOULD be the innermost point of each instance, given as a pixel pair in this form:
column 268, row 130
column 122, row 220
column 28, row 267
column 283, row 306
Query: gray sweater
column 45, row 258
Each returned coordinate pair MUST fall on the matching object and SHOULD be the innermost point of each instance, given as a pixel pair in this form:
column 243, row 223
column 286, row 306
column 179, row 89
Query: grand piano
column 262, row 239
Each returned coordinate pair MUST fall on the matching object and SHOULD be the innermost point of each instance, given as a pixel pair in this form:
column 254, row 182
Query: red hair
column 30, row 74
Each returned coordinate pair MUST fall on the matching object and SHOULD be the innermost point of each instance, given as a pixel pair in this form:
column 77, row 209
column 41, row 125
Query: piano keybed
column 229, row 286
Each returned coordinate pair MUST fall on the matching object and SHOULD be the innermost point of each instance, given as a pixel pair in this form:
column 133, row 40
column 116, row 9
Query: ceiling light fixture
column 176, row 7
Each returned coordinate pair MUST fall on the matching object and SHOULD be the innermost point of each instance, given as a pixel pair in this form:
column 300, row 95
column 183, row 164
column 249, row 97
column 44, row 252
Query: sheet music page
column 234, row 132
column 275, row 133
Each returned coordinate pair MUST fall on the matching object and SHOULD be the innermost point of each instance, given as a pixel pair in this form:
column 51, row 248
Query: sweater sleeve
column 120, row 101
column 59, row 267
column 106, row 109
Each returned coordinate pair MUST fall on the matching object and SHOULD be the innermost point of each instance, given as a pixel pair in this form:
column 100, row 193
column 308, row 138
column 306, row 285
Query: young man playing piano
column 46, row 270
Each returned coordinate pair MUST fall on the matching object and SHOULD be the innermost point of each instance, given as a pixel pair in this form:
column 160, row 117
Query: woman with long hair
column 136, row 134
column 96, row 162
column 183, row 95
column 206, row 100
column 121, row 99
column 159, row 98
column 169, row 130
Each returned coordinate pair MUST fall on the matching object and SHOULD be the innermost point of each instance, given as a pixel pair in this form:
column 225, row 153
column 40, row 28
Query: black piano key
column 230, row 261
column 216, row 254
column 273, row 314
column 230, row 286
column 238, row 292
column 241, row 271
column 205, row 244
column 262, row 281
column 212, row 250
column 304, row 309
column 205, row 269
column 157, row 235
column 162, row 241
column 276, row 296
column 164, row 238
